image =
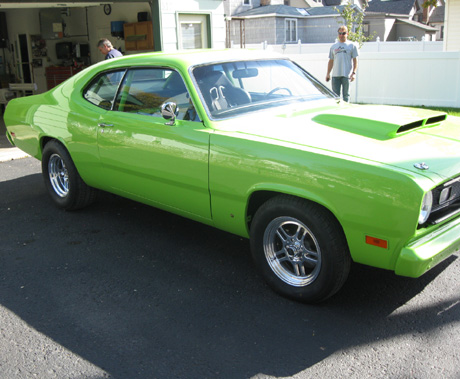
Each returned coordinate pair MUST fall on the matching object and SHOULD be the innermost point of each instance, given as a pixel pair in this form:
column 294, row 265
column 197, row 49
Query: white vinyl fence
column 397, row 73
column 368, row 47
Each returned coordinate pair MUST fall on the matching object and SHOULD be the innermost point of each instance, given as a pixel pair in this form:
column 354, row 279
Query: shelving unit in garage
column 138, row 35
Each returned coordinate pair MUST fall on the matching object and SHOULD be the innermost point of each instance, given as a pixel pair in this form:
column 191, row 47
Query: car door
column 147, row 158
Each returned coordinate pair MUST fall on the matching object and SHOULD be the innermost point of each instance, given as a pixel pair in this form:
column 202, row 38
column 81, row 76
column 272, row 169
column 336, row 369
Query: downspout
column 155, row 5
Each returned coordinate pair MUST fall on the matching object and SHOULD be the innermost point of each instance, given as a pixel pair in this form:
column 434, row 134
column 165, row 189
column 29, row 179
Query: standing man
column 106, row 48
column 343, row 62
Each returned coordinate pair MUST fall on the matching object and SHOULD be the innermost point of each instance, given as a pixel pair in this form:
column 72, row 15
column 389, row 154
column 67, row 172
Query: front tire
column 64, row 184
column 300, row 249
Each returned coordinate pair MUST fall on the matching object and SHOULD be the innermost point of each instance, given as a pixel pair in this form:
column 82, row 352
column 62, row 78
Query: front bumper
column 423, row 254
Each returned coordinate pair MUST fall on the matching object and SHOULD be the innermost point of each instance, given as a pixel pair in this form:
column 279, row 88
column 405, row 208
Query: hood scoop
column 424, row 122
column 380, row 122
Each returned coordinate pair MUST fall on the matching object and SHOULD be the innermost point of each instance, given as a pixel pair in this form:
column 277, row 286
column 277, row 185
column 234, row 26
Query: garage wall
column 99, row 25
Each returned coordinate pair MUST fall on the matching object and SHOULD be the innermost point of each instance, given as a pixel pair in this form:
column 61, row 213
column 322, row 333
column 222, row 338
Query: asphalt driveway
column 124, row 290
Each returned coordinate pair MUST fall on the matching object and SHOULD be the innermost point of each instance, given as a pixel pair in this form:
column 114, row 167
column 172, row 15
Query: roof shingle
column 391, row 6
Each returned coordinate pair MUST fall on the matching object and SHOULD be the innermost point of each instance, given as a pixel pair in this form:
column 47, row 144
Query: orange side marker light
column 377, row 242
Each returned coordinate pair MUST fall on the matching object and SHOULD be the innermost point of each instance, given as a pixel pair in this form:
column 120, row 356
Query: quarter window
column 102, row 90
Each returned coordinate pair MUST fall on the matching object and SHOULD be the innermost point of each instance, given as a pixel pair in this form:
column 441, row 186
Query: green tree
column 353, row 18
column 430, row 3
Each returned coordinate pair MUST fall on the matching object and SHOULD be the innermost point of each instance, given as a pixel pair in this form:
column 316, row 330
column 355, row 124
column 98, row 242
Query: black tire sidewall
column 334, row 251
column 54, row 147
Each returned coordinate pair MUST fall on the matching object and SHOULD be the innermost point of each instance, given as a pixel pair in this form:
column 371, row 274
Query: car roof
column 187, row 58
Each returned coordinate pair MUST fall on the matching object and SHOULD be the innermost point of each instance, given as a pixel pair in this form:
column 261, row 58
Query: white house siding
column 452, row 26
column 169, row 20
column 256, row 29
column 390, row 31
column 302, row 29
column 236, row 6
column 322, row 29
column 300, row 4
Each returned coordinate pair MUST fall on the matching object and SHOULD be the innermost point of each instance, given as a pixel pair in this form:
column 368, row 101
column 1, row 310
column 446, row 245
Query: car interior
column 219, row 93
column 142, row 91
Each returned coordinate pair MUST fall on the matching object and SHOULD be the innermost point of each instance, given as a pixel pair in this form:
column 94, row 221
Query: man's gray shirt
column 342, row 53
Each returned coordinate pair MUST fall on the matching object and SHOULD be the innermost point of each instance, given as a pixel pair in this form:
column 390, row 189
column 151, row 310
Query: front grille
column 446, row 201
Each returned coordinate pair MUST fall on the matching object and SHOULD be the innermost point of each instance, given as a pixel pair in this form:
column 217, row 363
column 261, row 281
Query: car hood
column 396, row 136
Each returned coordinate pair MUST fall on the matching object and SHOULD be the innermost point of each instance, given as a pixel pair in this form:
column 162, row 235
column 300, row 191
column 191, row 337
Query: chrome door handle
column 104, row 125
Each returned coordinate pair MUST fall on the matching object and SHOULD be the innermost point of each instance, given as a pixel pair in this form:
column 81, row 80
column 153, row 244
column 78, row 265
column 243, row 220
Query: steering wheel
column 274, row 90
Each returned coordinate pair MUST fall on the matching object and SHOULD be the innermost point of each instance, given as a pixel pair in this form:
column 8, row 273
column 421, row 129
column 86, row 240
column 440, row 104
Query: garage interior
column 43, row 44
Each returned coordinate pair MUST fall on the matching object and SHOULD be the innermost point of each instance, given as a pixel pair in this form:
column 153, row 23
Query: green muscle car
column 251, row 143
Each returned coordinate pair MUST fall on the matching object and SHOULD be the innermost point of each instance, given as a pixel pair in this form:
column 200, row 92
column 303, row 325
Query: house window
column 291, row 30
column 246, row 2
column 193, row 31
column 366, row 29
column 191, row 35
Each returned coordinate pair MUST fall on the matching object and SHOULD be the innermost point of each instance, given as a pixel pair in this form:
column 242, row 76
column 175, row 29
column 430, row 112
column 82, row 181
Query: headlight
column 427, row 203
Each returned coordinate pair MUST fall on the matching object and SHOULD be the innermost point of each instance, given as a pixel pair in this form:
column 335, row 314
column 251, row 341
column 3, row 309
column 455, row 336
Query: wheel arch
column 62, row 179
column 310, row 271
column 259, row 196
column 45, row 139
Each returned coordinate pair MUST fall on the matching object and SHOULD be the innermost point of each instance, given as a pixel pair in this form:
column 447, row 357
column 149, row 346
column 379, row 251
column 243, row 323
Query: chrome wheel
column 59, row 176
column 63, row 182
column 300, row 248
column 292, row 251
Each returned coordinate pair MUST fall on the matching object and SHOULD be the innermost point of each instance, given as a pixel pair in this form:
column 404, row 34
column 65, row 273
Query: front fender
column 370, row 200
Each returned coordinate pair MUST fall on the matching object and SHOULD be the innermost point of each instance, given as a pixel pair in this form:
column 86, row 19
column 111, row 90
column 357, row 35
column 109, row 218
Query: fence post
column 356, row 89
column 299, row 44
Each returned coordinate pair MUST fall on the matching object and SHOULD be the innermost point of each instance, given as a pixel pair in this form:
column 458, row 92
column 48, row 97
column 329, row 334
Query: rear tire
column 300, row 249
column 64, row 184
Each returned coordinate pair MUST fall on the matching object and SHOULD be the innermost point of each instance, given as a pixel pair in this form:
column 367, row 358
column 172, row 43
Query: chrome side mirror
column 169, row 111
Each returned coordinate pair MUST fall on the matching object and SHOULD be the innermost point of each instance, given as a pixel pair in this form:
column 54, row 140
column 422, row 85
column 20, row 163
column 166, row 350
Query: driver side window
column 144, row 90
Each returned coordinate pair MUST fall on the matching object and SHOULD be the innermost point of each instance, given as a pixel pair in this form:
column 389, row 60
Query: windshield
column 233, row 88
